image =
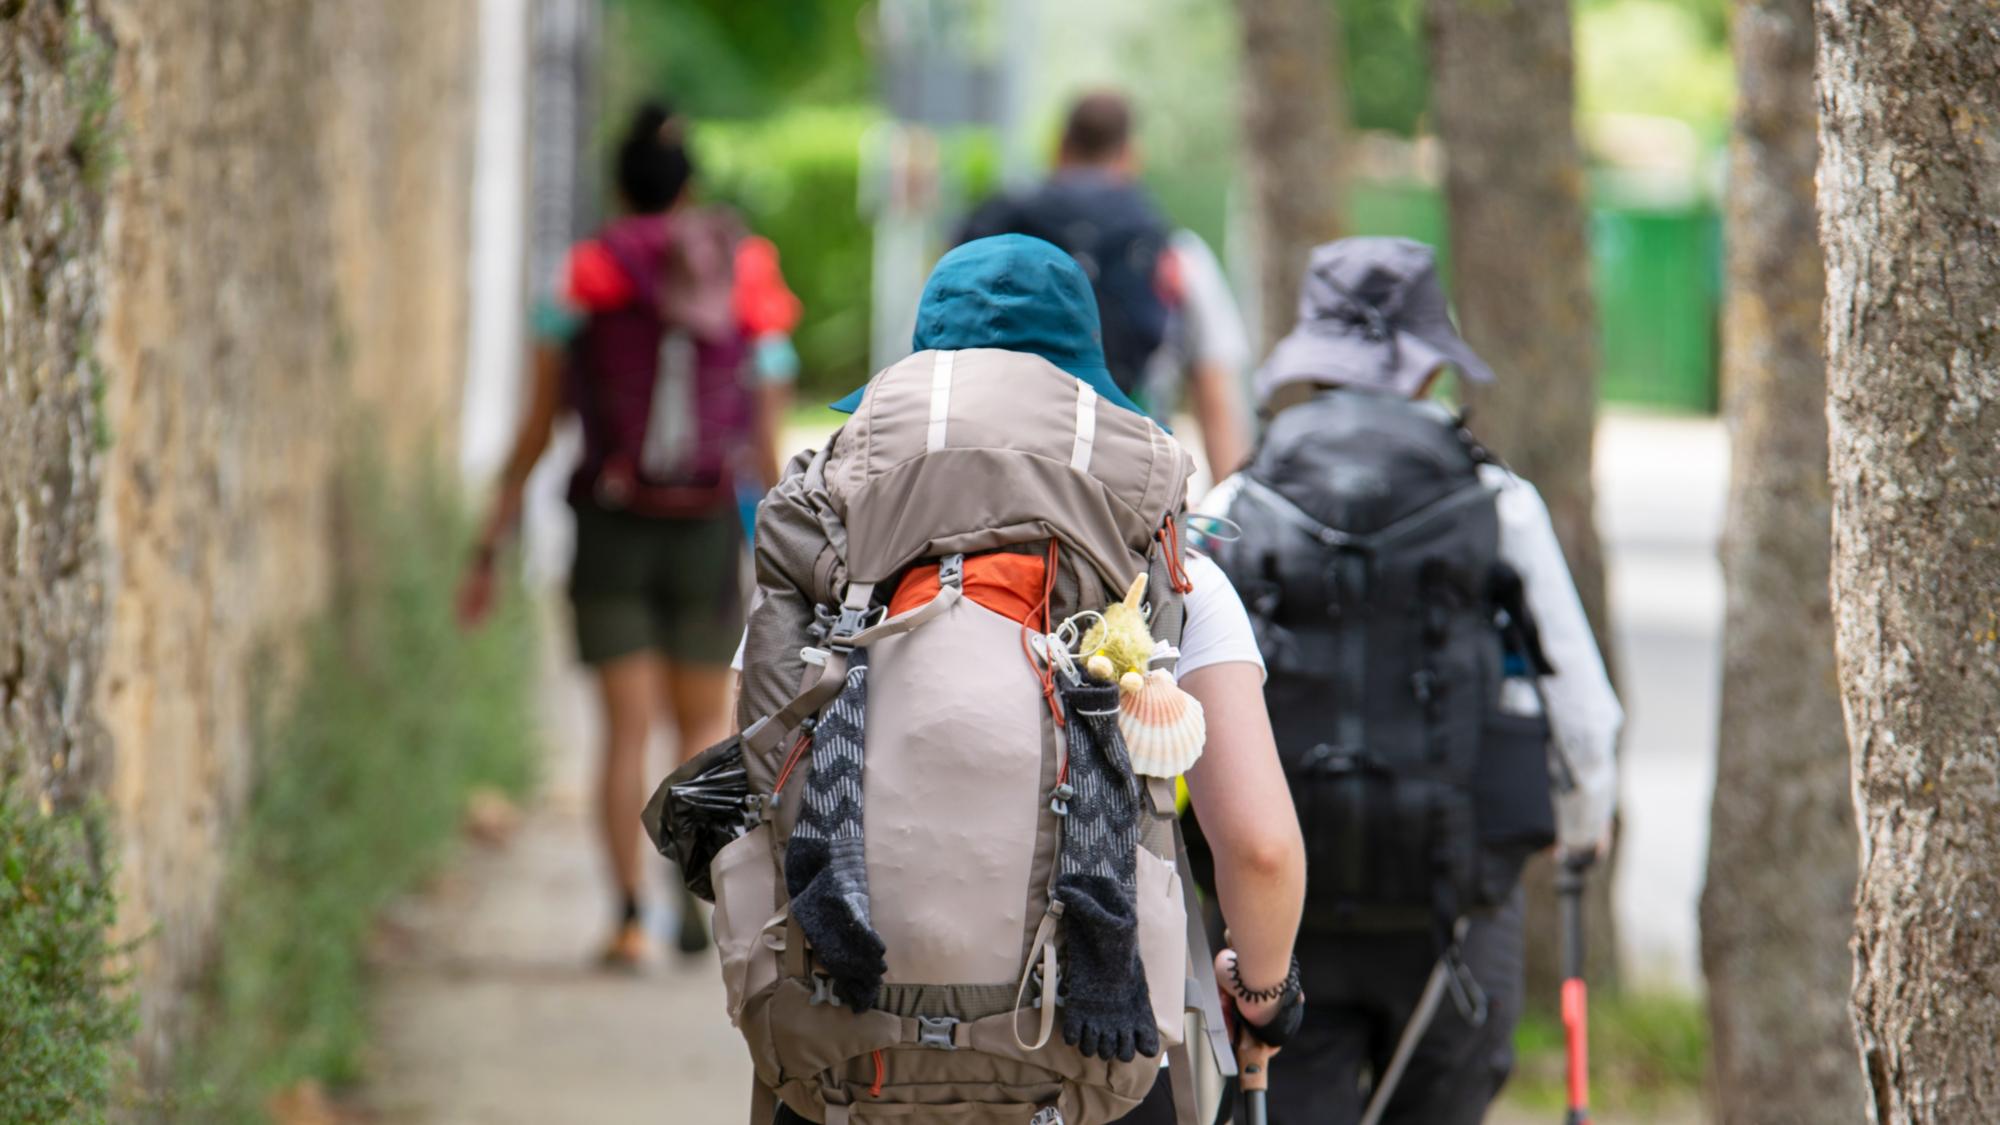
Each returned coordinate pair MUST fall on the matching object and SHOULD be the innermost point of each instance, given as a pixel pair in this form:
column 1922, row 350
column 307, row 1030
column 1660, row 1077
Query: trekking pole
column 1575, row 994
column 1254, row 1061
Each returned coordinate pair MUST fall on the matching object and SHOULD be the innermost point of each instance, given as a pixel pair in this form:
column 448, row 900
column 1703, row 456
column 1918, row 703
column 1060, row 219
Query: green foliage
column 1665, row 58
column 723, row 58
column 364, row 771
column 1647, row 1052
column 1387, row 72
column 796, row 178
column 64, row 1020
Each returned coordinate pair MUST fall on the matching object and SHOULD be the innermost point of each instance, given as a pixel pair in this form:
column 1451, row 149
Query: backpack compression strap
column 827, row 667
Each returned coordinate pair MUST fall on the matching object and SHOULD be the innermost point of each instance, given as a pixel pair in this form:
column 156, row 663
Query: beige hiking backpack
column 953, row 457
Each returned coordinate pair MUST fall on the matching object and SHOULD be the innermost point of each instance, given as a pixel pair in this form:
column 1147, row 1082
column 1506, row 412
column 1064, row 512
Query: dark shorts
column 670, row 586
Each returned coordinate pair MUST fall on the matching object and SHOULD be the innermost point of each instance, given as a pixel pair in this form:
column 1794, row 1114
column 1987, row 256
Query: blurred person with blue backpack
column 1438, row 698
column 669, row 342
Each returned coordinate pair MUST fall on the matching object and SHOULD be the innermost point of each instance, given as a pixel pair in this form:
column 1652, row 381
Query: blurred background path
column 491, row 1012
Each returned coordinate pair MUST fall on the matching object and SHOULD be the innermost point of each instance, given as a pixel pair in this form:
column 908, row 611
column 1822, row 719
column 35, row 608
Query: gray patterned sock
column 1107, row 1011
column 825, row 869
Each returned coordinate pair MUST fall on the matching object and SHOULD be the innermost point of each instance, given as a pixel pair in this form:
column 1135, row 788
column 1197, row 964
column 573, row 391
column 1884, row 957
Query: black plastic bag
column 699, row 809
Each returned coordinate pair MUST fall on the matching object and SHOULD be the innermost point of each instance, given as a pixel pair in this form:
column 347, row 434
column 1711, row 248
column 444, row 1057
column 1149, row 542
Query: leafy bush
column 796, row 177
column 364, row 773
column 63, row 1021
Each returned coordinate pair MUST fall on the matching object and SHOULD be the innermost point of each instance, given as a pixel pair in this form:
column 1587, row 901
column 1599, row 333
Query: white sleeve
column 1583, row 711
column 1215, row 326
column 1216, row 629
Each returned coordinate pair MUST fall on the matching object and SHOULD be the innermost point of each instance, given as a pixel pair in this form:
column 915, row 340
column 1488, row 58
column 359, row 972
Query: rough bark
column 1294, row 112
column 1910, row 223
column 54, row 61
column 1503, row 94
column 1774, row 935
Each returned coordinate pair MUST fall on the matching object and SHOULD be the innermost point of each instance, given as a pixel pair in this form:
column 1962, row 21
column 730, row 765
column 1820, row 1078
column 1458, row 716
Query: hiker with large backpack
column 943, row 847
column 1439, row 703
column 1170, row 326
column 669, row 343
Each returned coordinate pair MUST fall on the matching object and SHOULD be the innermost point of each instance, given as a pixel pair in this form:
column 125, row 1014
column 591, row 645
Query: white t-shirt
column 1216, row 629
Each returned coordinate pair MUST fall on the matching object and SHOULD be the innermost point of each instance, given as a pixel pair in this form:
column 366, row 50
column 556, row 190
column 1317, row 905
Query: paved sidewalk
column 490, row 1012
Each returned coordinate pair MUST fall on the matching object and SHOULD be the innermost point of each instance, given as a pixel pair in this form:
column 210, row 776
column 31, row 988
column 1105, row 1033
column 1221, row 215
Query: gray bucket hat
column 1371, row 314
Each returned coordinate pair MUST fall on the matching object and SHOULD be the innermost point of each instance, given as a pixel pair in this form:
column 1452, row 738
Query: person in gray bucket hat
column 1430, row 671
column 1371, row 314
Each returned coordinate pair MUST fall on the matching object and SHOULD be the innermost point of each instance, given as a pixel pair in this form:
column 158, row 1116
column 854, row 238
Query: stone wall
column 274, row 287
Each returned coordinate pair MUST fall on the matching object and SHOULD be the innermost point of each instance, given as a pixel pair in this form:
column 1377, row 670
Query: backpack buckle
column 1038, row 989
column 852, row 620
column 936, row 1032
column 822, row 990
column 1059, row 803
column 951, row 571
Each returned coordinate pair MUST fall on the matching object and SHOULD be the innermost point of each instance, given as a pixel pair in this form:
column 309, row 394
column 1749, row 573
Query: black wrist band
column 1263, row 995
column 1284, row 1023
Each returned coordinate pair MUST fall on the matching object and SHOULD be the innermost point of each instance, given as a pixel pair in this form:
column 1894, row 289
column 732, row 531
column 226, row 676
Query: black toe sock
column 1107, row 1011
column 825, row 869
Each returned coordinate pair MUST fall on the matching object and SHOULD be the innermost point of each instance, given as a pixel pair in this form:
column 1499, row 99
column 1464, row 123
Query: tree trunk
column 1294, row 111
column 1502, row 92
column 1774, row 935
column 1910, row 222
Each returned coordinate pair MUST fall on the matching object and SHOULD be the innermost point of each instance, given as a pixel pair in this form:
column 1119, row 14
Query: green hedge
column 796, row 177
column 64, row 1021
column 364, row 773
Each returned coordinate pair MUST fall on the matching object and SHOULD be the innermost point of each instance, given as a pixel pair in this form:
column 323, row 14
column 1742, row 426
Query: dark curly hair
column 653, row 162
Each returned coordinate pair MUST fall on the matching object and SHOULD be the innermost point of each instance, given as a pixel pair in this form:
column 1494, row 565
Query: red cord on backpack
column 1045, row 672
column 1169, row 537
column 881, row 1072
column 792, row 761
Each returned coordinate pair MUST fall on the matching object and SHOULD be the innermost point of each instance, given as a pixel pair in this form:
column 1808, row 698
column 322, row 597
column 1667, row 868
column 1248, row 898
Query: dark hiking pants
column 1360, row 992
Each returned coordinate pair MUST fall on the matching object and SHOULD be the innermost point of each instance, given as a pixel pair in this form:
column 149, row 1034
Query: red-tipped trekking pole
column 1575, row 994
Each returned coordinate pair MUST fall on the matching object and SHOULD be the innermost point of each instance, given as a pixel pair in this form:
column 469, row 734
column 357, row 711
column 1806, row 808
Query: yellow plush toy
column 1120, row 644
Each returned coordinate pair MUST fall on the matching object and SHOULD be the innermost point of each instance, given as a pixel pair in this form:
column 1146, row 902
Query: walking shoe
column 629, row 949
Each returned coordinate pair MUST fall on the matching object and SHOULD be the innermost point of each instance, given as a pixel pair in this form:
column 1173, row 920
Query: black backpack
column 1116, row 236
column 1369, row 562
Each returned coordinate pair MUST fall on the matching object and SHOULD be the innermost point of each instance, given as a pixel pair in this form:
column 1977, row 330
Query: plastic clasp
column 1038, row 989
column 851, row 621
column 822, row 990
column 1059, row 803
column 936, row 1032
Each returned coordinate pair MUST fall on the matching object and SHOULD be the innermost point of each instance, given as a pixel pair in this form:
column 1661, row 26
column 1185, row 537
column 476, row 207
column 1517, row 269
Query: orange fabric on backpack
column 1009, row 585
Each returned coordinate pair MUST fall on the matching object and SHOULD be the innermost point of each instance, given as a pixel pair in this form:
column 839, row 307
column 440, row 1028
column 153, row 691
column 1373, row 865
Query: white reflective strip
column 940, row 401
column 1086, row 427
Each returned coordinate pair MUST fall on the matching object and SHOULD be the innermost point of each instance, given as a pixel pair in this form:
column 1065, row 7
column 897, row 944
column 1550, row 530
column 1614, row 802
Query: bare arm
column 476, row 589
column 1245, row 806
column 774, row 401
column 1219, row 409
column 530, row 442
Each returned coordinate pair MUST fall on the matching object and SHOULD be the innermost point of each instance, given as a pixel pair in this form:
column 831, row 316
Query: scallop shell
column 1163, row 726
